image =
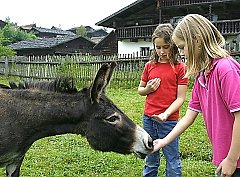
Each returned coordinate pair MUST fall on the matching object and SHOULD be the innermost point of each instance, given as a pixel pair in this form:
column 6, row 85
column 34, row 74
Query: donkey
column 28, row 115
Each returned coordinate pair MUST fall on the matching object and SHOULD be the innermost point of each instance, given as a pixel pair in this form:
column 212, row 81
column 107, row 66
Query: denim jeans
column 235, row 174
column 157, row 129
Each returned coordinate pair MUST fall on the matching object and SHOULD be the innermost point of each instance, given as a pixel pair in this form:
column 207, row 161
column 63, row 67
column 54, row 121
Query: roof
column 53, row 31
column 2, row 23
column 27, row 27
column 148, row 10
column 104, row 39
column 124, row 12
column 97, row 39
column 45, row 42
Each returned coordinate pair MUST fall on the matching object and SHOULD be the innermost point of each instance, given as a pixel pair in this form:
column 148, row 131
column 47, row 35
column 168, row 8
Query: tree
column 5, row 51
column 9, row 34
column 13, row 34
column 81, row 31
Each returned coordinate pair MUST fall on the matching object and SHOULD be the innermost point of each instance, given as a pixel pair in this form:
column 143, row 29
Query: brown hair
column 165, row 31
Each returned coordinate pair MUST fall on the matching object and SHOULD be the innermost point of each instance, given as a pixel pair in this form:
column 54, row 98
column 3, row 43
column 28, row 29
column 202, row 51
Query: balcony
column 226, row 27
column 170, row 3
column 135, row 32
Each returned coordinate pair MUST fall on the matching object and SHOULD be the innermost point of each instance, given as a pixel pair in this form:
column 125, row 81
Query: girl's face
column 182, row 46
column 163, row 49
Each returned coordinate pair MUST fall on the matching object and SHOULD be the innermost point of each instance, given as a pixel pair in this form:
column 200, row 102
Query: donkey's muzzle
column 143, row 144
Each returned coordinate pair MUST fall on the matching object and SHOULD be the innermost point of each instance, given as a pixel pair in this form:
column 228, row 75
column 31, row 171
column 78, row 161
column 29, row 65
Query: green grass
column 71, row 156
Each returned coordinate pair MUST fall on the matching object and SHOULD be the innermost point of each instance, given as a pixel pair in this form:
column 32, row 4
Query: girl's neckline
column 165, row 61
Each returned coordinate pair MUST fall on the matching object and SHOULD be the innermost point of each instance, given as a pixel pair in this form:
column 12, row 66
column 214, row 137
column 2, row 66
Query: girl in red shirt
column 165, row 88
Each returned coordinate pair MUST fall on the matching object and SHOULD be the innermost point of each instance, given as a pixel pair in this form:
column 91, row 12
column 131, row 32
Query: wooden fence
column 81, row 67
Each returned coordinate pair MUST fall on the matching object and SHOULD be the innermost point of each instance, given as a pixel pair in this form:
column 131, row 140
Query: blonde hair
column 192, row 27
column 165, row 31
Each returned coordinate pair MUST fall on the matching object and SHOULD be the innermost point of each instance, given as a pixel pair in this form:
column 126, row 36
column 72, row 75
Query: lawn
column 71, row 156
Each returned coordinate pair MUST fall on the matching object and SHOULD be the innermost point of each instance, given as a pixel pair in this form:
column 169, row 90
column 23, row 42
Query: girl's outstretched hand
column 158, row 144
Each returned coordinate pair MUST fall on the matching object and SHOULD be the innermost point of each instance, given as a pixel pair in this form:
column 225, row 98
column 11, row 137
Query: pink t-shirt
column 217, row 95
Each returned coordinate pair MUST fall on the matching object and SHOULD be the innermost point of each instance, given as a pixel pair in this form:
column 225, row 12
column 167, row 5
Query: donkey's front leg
column 13, row 170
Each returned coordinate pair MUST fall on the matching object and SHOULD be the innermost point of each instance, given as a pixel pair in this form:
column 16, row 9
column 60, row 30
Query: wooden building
column 108, row 45
column 55, row 41
column 91, row 32
column 60, row 45
column 46, row 32
column 135, row 23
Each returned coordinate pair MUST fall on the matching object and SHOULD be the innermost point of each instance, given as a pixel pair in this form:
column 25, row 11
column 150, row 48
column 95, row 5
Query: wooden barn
column 107, row 46
column 60, row 45
column 135, row 23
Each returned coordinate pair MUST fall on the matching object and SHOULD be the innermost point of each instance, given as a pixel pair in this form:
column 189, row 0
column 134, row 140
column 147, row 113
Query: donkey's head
column 109, row 129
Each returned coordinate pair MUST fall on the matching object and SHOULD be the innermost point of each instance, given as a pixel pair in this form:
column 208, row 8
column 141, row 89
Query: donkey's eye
column 112, row 119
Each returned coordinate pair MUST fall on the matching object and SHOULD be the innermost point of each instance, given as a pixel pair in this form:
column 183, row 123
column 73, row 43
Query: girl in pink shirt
column 216, row 92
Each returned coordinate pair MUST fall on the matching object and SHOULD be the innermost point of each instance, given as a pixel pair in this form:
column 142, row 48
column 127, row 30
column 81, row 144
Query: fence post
column 6, row 66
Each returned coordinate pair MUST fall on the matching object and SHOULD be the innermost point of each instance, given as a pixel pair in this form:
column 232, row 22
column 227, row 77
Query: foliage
column 5, row 51
column 5, row 80
column 2, row 38
column 71, row 156
column 81, row 31
column 12, row 34
column 71, row 69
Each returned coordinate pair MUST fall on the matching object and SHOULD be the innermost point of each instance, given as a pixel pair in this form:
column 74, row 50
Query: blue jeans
column 157, row 129
column 235, row 174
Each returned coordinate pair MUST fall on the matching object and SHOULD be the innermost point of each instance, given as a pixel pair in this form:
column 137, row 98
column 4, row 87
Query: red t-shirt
column 171, row 76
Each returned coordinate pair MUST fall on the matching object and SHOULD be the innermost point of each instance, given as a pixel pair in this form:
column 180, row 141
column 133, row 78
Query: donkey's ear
column 101, row 81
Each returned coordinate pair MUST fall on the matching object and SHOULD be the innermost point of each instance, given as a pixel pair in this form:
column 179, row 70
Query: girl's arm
column 181, row 126
column 181, row 96
column 228, row 165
